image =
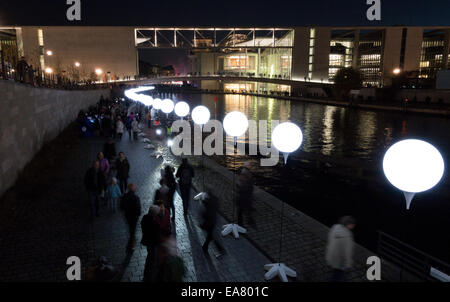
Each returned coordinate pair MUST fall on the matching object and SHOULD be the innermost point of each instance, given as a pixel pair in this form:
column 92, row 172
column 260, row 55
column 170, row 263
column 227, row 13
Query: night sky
column 225, row 13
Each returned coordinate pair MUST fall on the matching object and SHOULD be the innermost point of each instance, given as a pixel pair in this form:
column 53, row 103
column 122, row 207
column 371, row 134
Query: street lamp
column 200, row 116
column 396, row 71
column 77, row 64
column 98, row 71
column 182, row 109
column 48, row 70
column 413, row 166
column 235, row 124
column 49, row 52
column 286, row 137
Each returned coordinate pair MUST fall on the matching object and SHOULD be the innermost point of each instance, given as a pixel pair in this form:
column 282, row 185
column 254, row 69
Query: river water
column 347, row 135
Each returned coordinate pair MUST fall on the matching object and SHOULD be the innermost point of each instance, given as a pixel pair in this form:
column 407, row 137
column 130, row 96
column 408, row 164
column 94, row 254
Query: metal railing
column 26, row 74
column 410, row 260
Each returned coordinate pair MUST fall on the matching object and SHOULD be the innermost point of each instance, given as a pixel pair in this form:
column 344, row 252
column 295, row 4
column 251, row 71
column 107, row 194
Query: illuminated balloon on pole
column 287, row 137
column 157, row 103
column 200, row 115
column 413, row 166
column 181, row 109
column 235, row 124
column 167, row 106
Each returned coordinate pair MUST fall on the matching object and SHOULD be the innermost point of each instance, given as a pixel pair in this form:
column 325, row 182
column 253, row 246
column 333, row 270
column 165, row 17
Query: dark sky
column 225, row 12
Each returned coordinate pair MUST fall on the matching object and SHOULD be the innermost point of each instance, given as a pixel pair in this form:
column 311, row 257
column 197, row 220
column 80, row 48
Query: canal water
column 345, row 139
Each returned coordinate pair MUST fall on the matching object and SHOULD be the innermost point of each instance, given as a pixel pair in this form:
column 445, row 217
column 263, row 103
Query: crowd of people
column 107, row 184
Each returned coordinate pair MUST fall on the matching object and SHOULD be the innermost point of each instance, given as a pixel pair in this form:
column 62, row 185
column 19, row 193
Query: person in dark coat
column 93, row 182
column 244, row 200
column 172, row 185
column 151, row 239
column 211, row 205
column 109, row 150
column 185, row 173
column 123, row 171
column 171, row 267
column 131, row 206
column 106, row 125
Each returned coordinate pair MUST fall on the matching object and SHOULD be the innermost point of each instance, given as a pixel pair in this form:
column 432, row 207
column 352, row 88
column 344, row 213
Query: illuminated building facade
column 305, row 54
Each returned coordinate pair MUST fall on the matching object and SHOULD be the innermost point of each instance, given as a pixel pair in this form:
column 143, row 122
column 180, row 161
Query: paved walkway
column 46, row 219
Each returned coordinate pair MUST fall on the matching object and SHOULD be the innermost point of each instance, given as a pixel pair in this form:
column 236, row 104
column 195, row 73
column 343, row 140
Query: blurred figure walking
column 185, row 174
column 340, row 246
column 131, row 206
column 245, row 195
column 211, row 205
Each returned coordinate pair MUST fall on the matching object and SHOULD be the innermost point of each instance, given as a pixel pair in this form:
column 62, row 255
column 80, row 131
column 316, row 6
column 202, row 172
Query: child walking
column 114, row 195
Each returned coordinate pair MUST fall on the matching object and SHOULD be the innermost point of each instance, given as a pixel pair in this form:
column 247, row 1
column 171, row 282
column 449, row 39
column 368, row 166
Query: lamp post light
column 286, row 137
column 49, row 52
column 182, row 109
column 77, row 64
column 200, row 116
column 235, row 124
column 396, row 71
column 413, row 166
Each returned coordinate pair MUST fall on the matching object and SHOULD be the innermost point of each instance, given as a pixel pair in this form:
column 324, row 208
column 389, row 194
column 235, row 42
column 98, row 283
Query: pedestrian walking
column 113, row 194
column 211, row 207
column 171, row 267
column 119, row 128
column 92, row 181
column 131, row 206
column 340, row 248
column 172, row 185
column 244, row 200
column 123, row 171
column 109, row 150
column 128, row 126
column 185, row 174
column 104, row 171
column 150, row 239
column 135, row 128
column 149, row 119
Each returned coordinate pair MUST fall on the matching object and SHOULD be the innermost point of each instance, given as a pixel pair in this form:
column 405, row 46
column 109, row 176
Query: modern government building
column 305, row 54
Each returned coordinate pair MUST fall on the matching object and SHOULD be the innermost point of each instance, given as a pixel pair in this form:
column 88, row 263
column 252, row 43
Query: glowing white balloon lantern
column 181, row 109
column 145, row 99
column 167, row 106
column 287, row 137
column 413, row 166
column 235, row 124
column 200, row 115
column 157, row 103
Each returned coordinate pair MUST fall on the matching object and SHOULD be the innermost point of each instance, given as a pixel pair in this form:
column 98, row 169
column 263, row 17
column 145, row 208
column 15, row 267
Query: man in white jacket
column 339, row 251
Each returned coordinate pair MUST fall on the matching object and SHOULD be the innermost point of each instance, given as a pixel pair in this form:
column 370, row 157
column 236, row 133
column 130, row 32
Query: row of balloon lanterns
column 410, row 165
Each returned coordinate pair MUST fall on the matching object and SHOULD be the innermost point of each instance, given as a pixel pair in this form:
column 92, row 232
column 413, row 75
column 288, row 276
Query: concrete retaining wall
column 29, row 117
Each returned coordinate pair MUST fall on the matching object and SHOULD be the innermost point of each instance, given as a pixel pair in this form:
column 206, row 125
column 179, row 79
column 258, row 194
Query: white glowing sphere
column 200, row 115
column 235, row 123
column 287, row 137
column 158, row 131
column 169, row 143
column 167, row 106
column 413, row 165
column 182, row 109
column 145, row 99
column 157, row 103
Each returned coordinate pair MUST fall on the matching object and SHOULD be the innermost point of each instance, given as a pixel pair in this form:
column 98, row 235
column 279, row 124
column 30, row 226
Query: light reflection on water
column 342, row 133
column 331, row 130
